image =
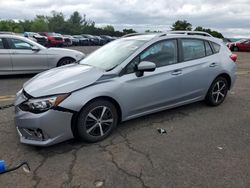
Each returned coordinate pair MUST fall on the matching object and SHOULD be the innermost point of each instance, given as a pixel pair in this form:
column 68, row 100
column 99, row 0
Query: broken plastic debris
column 26, row 169
column 99, row 183
column 161, row 131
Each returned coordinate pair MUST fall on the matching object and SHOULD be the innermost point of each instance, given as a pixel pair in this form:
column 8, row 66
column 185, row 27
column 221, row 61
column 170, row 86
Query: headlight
column 42, row 104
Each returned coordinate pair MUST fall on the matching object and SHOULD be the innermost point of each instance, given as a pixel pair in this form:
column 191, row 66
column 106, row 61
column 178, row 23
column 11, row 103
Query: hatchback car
column 127, row 78
column 19, row 55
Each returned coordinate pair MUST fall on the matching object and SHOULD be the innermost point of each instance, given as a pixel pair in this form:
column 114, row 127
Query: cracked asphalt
column 204, row 147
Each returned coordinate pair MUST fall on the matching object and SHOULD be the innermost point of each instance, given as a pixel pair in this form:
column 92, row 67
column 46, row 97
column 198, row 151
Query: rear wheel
column 217, row 92
column 65, row 61
column 96, row 121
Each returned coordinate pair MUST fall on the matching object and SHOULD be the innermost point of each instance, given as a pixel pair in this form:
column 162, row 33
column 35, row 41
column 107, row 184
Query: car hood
column 62, row 80
column 61, row 50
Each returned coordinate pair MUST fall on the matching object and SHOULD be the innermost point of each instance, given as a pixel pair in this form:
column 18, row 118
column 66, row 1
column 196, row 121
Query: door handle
column 213, row 65
column 176, row 72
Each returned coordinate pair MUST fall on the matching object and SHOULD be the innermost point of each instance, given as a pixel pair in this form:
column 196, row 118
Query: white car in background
column 19, row 55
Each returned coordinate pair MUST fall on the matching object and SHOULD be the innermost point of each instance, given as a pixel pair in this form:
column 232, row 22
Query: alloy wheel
column 219, row 91
column 99, row 121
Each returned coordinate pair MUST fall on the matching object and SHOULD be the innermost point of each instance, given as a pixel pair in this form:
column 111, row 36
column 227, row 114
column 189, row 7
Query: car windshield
column 113, row 54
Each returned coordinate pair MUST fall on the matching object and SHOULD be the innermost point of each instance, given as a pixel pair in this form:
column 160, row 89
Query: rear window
column 216, row 47
column 193, row 49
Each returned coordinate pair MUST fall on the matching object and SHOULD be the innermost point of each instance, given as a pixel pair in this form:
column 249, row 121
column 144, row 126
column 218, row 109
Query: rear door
column 199, row 67
column 5, row 60
column 25, row 59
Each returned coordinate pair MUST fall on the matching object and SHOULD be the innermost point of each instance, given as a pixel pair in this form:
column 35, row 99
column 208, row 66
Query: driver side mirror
column 145, row 66
column 35, row 48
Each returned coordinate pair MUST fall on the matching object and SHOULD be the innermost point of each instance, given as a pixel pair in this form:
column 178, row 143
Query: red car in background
column 241, row 45
column 54, row 39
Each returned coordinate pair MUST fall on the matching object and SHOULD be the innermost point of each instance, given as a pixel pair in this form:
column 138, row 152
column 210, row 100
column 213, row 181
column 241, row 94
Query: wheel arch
column 65, row 57
column 76, row 114
column 227, row 77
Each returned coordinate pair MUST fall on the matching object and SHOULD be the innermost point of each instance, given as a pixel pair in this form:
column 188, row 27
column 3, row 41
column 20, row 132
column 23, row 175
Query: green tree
column 56, row 22
column 109, row 28
column 39, row 24
column 128, row 31
column 213, row 33
column 181, row 25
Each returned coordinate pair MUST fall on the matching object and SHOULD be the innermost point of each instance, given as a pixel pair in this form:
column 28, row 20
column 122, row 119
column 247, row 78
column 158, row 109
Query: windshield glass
column 113, row 54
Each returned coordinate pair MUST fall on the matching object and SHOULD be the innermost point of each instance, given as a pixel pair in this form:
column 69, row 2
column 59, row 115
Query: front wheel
column 96, row 121
column 217, row 92
column 65, row 61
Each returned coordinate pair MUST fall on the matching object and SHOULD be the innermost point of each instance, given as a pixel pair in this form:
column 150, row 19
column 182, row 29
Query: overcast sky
column 231, row 17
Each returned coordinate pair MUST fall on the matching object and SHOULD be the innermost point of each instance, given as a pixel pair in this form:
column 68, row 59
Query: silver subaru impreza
column 127, row 78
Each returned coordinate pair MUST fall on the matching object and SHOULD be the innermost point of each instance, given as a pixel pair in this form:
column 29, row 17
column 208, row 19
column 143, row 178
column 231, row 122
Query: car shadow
column 127, row 127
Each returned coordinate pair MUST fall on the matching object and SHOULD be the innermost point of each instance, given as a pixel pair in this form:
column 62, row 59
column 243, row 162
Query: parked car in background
column 20, row 55
column 43, row 40
column 93, row 40
column 226, row 40
column 67, row 40
column 100, row 39
column 75, row 41
column 107, row 38
column 83, row 41
column 53, row 39
column 87, row 100
column 241, row 45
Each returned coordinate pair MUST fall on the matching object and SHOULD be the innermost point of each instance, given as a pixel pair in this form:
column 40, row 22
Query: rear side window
column 193, row 49
column 1, row 44
column 216, row 47
column 208, row 48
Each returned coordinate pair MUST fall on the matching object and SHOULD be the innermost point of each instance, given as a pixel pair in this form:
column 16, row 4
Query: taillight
column 233, row 57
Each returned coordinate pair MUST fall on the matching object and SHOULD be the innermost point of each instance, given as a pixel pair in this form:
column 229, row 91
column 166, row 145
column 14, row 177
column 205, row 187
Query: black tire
column 235, row 49
column 217, row 92
column 65, row 61
column 92, row 126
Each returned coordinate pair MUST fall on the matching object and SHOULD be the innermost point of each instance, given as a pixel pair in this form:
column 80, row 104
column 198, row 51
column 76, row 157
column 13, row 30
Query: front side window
column 20, row 44
column 162, row 53
column 193, row 49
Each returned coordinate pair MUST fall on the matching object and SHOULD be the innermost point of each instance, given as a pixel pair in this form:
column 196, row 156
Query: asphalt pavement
column 203, row 147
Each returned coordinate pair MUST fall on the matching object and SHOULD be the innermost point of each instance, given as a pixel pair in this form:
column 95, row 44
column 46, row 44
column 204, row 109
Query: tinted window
column 216, row 47
column 20, row 44
column 208, row 48
column 162, row 54
column 1, row 44
column 193, row 49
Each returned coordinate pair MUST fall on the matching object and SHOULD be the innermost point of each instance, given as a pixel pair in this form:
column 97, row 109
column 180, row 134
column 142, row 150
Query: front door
column 24, row 59
column 154, row 90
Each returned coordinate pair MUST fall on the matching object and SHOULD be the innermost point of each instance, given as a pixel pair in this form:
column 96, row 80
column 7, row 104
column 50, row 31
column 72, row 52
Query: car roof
column 164, row 35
